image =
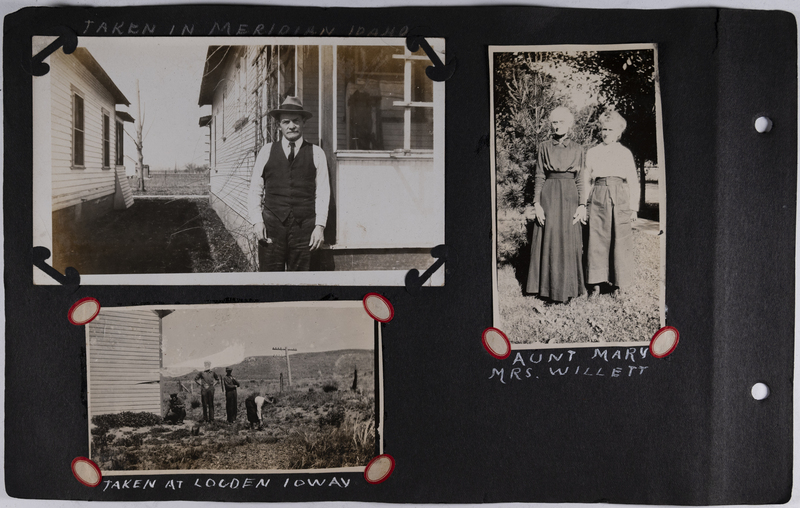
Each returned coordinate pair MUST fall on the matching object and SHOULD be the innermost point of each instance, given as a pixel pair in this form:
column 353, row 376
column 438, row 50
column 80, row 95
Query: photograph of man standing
column 229, row 385
column 207, row 380
column 289, row 194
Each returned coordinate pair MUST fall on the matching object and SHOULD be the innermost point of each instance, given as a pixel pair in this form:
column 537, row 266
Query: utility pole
column 288, row 366
column 138, row 140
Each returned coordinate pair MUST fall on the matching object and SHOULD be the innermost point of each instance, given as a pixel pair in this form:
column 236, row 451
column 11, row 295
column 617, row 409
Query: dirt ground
column 632, row 316
column 153, row 236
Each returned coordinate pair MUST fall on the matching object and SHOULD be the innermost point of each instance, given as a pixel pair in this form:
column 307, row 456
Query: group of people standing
column 208, row 381
column 573, row 187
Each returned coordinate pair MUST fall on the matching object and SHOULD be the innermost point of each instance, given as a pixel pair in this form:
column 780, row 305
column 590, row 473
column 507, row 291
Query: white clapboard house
column 78, row 145
column 124, row 361
column 377, row 116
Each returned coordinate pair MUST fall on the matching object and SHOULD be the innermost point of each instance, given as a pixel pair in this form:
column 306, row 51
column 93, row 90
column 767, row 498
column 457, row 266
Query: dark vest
column 290, row 187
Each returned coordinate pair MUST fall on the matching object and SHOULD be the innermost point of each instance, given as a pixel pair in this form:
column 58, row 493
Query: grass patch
column 631, row 317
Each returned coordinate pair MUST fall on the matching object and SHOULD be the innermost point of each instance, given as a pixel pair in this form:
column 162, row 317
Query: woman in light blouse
column 613, row 206
column 556, row 268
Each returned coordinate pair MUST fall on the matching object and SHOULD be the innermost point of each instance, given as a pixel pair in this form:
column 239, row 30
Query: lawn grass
column 631, row 317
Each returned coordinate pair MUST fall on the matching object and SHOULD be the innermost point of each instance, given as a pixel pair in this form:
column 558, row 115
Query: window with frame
column 77, row 131
column 106, row 141
column 119, row 136
column 384, row 99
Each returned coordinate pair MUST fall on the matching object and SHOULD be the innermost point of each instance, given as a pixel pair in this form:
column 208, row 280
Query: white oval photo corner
column 378, row 307
column 496, row 342
column 84, row 311
column 379, row 469
column 664, row 342
column 759, row 391
column 86, row 472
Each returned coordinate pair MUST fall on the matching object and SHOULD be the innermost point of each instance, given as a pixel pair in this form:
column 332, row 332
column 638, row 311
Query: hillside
column 304, row 365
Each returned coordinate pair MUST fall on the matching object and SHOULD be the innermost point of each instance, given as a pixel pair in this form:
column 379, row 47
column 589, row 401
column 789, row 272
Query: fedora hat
column 291, row 105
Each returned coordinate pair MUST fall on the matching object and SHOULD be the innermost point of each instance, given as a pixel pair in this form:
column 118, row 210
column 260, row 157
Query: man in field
column 229, row 384
column 289, row 194
column 253, row 404
column 207, row 380
column 177, row 411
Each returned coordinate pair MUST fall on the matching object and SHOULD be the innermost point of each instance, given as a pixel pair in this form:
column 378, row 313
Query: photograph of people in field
column 579, row 199
column 245, row 387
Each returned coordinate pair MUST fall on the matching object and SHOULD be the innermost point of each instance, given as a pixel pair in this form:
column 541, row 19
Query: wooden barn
column 78, row 145
column 378, row 118
column 124, row 361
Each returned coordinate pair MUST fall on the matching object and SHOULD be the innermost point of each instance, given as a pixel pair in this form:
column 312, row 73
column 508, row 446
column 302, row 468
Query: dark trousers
column 252, row 411
column 230, row 405
column 175, row 415
column 207, row 397
column 287, row 247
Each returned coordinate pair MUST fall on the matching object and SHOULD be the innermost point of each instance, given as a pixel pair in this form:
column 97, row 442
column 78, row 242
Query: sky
column 229, row 334
column 169, row 71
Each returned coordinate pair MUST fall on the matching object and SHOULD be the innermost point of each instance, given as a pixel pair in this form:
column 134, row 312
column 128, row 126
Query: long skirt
column 610, row 249
column 556, row 269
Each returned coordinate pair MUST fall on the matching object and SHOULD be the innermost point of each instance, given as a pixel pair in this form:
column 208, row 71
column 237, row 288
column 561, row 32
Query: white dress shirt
column 323, row 192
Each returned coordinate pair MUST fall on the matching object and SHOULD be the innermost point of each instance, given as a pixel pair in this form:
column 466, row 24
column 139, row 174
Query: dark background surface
column 685, row 432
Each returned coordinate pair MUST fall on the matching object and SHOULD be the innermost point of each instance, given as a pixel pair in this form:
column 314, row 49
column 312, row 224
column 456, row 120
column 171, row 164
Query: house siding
column 74, row 186
column 124, row 357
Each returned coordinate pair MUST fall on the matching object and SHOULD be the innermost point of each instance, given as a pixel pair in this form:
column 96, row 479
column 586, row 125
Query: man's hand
column 317, row 238
column 634, row 216
column 259, row 230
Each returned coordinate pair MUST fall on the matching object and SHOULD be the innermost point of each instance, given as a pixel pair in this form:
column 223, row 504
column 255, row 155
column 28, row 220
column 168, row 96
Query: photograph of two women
column 579, row 194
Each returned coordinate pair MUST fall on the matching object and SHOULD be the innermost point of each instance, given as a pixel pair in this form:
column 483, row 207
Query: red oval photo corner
column 83, row 311
column 378, row 307
column 664, row 342
column 86, row 471
column 379, row 469
column 496, row 343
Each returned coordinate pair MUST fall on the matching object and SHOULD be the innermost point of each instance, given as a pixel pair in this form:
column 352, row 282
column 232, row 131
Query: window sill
column 381, row 154
column 77, row 167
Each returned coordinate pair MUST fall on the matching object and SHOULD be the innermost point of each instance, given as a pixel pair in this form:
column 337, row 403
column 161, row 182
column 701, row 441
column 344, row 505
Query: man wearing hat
column 207, row 380
column 289, row 194
column 229, row 385
column 176, row 411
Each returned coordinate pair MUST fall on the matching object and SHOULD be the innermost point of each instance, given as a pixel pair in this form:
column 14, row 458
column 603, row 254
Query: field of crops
column 318, row 423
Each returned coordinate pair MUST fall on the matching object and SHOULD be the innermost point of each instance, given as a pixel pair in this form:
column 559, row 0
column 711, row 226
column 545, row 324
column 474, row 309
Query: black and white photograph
column 578, row 195
column 289, row 386
column 218, row 160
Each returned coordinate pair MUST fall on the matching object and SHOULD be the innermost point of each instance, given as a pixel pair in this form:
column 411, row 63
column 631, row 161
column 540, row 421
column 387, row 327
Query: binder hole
column 759, row 391
column 763, row 124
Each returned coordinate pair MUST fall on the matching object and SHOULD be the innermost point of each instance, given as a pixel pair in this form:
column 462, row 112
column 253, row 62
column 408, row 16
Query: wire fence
column 172, row 184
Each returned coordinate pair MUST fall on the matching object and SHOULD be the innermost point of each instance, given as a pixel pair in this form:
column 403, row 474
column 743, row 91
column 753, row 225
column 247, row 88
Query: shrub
column 333, row 418
column 126, row 419
column 195, row 403
column 330, row 386
column 134, row 440
column 351, row 444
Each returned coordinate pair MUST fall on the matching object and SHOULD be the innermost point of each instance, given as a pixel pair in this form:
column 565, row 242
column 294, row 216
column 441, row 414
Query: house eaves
column 88, row 61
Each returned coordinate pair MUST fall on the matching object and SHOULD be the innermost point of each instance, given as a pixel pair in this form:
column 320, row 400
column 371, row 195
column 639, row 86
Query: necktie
column 291, row 152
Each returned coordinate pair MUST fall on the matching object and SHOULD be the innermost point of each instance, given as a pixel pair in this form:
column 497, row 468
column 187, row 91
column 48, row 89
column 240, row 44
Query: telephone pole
column 288, row 366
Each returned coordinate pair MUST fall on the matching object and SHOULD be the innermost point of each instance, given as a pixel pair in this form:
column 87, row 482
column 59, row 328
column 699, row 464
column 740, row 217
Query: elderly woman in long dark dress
column 556, row 268
column 613, row 206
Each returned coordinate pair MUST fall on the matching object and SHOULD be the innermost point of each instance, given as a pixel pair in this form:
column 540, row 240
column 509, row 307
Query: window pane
column 287, row 71
column 78, row 148
column 120, row 144
column 422, row 128
column 78, row 112
column 369, row 81
column 421, row 84
column 106, row 142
